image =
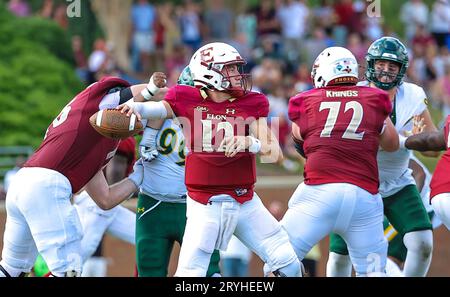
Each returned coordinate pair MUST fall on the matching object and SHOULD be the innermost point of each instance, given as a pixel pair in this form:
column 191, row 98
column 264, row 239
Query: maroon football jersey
column 440, row 182
column 341, row 128
column 71, row 146
column 205, row 123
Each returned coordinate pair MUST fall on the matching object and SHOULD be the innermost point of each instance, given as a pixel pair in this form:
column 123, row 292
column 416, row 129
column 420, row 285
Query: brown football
column 112, row 123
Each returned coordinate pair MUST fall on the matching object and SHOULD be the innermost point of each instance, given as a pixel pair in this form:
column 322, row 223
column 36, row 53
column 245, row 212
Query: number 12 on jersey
column 334, row 107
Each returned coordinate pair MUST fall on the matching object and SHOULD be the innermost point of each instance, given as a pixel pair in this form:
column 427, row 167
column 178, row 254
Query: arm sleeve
column 171, row 98
column 294, row 109
column 125, row 95
column 387, row 104
column 263, row 107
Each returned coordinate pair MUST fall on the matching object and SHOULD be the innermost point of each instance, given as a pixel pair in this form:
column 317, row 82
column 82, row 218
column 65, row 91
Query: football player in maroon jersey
column 339, row 126
column 40, row 216
column 225, row 125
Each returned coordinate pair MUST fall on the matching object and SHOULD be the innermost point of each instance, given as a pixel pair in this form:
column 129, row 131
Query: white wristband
column 146, row 94
column 401, row 141
column 255, row 146
column 151, row 87
column 150, row 90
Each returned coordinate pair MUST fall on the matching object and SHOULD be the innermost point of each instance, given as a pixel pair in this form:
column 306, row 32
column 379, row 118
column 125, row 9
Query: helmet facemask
column 387, row 49
column 244, row 79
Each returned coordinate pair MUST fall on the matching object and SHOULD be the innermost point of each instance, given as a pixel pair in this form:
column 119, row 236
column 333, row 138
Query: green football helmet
column 186, row 77
column 390, row 49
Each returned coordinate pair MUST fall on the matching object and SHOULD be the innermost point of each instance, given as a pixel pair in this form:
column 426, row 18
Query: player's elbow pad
column 298, row 144
column 151, row 110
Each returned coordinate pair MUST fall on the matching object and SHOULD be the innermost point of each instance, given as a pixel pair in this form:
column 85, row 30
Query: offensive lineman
column 339, row 127
column 387, row 61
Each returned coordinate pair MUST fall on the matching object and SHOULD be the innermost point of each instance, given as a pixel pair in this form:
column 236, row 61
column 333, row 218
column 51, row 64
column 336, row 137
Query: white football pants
column 355, row 214
column 441, row 206
column 210, row 226
column 41, row 219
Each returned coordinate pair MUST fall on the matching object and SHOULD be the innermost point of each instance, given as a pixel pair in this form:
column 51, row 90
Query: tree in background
column 36, row 77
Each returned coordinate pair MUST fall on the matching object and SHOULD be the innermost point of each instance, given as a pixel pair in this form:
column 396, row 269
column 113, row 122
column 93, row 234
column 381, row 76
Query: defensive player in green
column 387, row 62
column 161, row 207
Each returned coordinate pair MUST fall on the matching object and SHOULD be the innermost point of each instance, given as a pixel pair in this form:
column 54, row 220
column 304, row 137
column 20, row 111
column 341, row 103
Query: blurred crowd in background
column 278, row 38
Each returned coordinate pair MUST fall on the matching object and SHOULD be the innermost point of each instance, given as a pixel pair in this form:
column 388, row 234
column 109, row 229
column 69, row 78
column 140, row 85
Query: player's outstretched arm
column 107, row 197
column 389, row 140
column 270, row 147
column 427, row 141
column 428, row 127
column 148, row 110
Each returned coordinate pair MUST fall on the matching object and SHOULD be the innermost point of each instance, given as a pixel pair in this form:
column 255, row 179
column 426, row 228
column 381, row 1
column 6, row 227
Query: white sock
column 420, row 250
column 339, row 265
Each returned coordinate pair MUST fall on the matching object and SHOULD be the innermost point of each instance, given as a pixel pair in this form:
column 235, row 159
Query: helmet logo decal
column 205, row 55
column 388, row 55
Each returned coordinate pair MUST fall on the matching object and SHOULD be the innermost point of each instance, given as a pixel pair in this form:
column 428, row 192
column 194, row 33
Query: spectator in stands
column 441, row 92
column 178, row 59
column 422, row 37
column 293, row 17
column 143, row 44
column 218, row 30
column 440, row 21
column 323, row 15
column 345, row 14
column 190, row 25
column 60, row 16
column 413, row 13
column 267, row 24
column 47, row 9
column 246, row 24
column 80, row 58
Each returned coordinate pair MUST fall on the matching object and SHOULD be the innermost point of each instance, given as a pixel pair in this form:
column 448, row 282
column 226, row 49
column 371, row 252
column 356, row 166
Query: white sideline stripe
column 98, row 122
column 132, row 122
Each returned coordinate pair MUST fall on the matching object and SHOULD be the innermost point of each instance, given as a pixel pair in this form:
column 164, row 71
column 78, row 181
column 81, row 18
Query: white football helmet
column 207, row 68
column 334, row 65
